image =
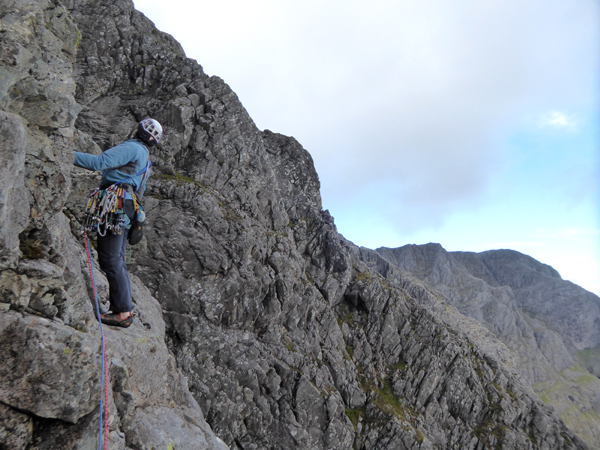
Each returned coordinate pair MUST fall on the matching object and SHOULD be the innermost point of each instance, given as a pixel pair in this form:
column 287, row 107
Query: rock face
column 551, row 325
column 50, row 342
column 257, row 322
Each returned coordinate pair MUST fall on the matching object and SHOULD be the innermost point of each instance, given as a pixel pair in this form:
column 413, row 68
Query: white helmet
column 150, row 131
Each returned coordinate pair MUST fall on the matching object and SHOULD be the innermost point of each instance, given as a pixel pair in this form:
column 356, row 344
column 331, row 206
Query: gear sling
column 105, row 209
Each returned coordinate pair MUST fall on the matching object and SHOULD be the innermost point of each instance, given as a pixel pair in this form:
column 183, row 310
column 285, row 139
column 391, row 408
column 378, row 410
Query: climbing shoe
column 116, row 321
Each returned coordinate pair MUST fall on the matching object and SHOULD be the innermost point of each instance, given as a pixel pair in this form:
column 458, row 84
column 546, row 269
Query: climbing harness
column 103, row 427
column 105, row 211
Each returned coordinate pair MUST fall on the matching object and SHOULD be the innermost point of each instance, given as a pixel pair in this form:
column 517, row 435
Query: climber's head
column 149, row 131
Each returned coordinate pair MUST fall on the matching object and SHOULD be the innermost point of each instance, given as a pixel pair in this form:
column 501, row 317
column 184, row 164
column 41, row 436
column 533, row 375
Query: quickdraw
column 105, row 212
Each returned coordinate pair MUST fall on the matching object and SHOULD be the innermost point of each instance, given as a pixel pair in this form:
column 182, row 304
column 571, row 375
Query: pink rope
column 102, row 431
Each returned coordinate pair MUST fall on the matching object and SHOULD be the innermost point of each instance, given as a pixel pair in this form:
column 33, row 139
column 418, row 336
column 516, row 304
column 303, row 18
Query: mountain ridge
column 528, row 306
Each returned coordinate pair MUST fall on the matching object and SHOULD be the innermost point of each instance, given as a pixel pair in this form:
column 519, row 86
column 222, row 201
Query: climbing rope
column 103, row 427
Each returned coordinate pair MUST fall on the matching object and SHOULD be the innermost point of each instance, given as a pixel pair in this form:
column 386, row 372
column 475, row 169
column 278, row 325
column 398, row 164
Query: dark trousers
column 111, row 256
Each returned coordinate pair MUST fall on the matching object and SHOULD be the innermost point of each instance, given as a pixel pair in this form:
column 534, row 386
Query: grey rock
column 33, row 345
column 550, row 325
column 15, row 428
column 14, row 210
column 51, row 371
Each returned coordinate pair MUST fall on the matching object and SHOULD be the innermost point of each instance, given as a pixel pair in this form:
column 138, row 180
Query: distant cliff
column 258, row 325
column 552, row 326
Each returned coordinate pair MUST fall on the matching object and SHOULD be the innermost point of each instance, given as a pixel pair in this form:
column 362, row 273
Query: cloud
column 557, row 119
column 414, row 97
column 428, row 120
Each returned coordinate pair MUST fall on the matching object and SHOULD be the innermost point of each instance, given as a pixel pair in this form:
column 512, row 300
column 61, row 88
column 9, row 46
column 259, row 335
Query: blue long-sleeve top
column 119, row 163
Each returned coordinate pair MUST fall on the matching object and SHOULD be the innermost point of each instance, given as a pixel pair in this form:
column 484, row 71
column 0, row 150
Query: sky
column 472, row 124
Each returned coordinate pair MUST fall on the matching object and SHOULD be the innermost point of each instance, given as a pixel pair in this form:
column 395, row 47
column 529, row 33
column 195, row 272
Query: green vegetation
column 484, row 432
column 77, row 39
column 346, row 318
column 179, row 179
column 564, row 393
column 586, row 378
column 511, row 394
column 588, row 355
column 287, row 342
column 271, row 232
column 574, row 375
column 567, row 439
column 32, row 248
column 354, row 415
column 420, row 437
column 81, row 326
column 385, row 284
column 400, row 365
column 545, row 397
column 362, row 276
column 532, row 438
column 350, row 352
column 384, row 398
column 311, row 281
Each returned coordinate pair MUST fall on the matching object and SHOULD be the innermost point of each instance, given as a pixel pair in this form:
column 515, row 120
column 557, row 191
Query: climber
column 125, row 169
